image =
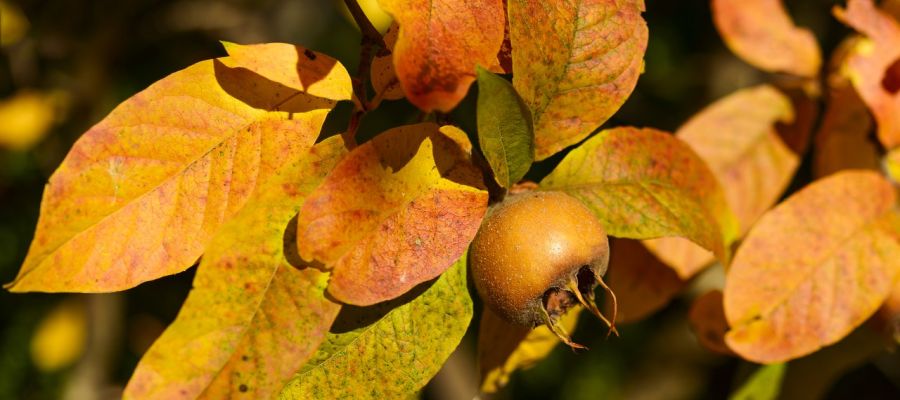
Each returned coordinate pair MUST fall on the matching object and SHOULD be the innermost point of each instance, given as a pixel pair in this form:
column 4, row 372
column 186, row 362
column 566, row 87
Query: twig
column 371, row 41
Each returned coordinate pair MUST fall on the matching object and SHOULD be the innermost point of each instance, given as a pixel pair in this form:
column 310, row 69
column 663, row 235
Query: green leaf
column 392, row 349
column 644, row 184
column 764, row 384
column 252, row 318
column 504, row 128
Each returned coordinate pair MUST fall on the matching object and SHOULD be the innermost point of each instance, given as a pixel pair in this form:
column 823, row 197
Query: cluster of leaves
column 332, row 268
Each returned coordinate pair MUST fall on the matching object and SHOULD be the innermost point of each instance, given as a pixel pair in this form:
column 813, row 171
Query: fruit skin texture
column 530, row 243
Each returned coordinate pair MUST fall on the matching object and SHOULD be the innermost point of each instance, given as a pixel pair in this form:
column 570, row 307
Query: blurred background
column 64, row 64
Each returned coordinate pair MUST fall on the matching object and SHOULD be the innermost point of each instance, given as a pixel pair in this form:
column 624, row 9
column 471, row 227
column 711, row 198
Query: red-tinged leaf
column 394, row 213
column 575, row 64
column 642, row 283
column 873, row 65
column 440, row 43
column 643, row 184
column 707, row 319
column 252, row 319
column 813, row 268
column 762, row 33
column 389, row 350
column 842, row 141
column 504, row 348
column 737, row 138
column 142, row 192
column 384, row 77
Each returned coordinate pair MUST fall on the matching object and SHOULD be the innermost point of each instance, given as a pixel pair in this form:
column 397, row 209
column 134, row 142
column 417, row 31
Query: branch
column 371, row 41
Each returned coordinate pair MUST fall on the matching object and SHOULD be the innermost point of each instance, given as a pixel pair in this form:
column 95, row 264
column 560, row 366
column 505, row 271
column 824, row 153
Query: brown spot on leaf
column 891, row 80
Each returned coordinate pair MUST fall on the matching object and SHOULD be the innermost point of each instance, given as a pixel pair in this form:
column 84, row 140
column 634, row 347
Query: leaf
column 504, row 348
column 763, row 384
column 439, row 45
column 389, row 350
column 737, row 138
column 871, row 63
column 27, row 117
column 142, row 192
column 252, row 319
column 762, row 33
column 707, row 320
column 384, row 77
column 13, row 24
column 645, row 183
column 575, row 64
column 641, row 282
column 892, row 165
column 60, row 338
column 396, row 212
column 813, row 268
column 842, row 141
column 504, row 129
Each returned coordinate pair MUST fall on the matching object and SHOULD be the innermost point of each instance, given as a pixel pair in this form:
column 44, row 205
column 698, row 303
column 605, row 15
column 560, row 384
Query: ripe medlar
column 536, row 255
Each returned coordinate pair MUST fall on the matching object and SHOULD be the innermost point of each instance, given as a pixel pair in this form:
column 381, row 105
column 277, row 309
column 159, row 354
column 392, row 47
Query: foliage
column 332, row 266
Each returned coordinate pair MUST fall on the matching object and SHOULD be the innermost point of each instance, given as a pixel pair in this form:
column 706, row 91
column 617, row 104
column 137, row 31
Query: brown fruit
column 536, row 255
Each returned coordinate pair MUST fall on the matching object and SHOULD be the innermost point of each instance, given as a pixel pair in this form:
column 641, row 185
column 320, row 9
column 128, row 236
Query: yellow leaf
column 60, row 337
column 27, row 117
column 13, row 24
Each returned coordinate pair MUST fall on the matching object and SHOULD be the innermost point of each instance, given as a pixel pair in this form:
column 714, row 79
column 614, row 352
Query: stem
column 371, row 41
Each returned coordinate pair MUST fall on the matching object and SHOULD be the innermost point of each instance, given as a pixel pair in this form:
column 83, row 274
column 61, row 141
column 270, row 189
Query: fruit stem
column 559, row 331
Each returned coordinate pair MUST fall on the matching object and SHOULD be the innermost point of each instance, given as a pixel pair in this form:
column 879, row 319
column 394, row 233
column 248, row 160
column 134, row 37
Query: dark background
column 98, row 53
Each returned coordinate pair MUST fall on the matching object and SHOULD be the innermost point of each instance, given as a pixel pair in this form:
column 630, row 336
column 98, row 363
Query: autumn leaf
column 645, row 183
column 439, row 45
column 252, row 318
column 874, row 65
column 60, row 337
column 737, row 138
column 575, row 64
column 389, row 350
column 384, row 77
column 641, row 282
column 142, row 192
column 13, row 24
column 892, row 165
column 763, row 384
column 762, row 33
column 813, row 268
column 504, row 348
column 707, row 320
column 504, row 129
column 28, row 116
column 396, row 212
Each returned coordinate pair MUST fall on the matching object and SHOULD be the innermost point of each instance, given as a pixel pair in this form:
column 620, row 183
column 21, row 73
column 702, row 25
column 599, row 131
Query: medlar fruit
column 536, row 255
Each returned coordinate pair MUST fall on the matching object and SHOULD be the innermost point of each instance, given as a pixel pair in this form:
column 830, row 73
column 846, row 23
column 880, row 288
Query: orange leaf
column 384, row 77
column 707, row 319
column 874, row 65
column 575, row 64
column 142, row 192
column 440, row 44
column 761, row 32
column 396, row 212
column 813, row 268
column 640, row 281
column 645, row 184
column 737, row 138
column 252, row 319
column 504, row 348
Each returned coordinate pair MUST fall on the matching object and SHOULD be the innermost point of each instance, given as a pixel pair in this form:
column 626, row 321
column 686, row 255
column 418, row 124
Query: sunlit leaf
column 643, row 184
column 504, row 348
column 892, row 164
column 142, row 192
column 813, row 268
column 384, row 77
column 60, row 337
column 504, row 129
column 737, row 138
column 575, row 64
column 252, row 318
column 389, row 350
column 439, row 45
column 641, row 282
column 763, row 384
column 380, row 19
column 874, row 65
column 707, row 320
column 397, row 211
column 27, row 117
column 762, row 33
